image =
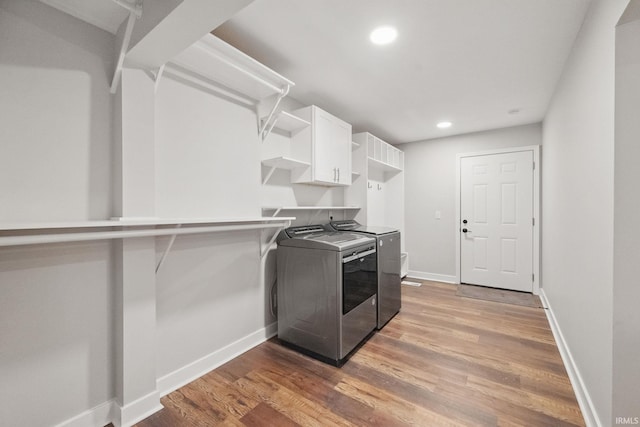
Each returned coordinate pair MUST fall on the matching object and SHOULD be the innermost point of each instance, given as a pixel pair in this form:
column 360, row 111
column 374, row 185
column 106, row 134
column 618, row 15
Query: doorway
column 497, row 227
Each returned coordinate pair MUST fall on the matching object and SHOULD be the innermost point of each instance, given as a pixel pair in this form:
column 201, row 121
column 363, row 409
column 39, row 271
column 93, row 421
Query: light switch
column 437, row 214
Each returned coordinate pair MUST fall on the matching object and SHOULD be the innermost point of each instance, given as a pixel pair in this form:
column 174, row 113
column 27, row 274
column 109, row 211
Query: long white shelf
column 220, row 62
column 277, row 209
column 211, row 62
column 28, row 233
column 129, row 222
column 310, row 208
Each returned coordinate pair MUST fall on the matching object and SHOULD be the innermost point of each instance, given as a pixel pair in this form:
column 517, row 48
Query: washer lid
column 329, row 240
column 351, row 225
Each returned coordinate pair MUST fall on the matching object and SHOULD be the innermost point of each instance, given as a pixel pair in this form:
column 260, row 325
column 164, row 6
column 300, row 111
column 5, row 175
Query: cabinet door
column 324, row 145
column 342, row 151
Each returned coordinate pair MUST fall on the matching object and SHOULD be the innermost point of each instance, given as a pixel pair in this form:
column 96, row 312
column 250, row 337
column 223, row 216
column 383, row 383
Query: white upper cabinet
column 379, row 187
column 326, row 145
column 382, row 155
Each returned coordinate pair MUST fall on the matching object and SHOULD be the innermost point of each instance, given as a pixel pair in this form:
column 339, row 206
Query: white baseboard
column 198, row 368
column 136, row 411
column 587, row 407
column 431, row 276
column 111, row 412
column 100, row 415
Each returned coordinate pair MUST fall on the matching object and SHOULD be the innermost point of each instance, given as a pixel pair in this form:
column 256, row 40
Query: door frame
column 535, row 149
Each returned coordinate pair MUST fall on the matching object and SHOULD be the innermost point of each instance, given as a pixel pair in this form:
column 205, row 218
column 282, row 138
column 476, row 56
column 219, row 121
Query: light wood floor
column 443, row 361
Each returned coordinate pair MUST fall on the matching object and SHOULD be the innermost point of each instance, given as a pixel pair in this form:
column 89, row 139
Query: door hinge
column 533, row 221
column 534, row 165
column 533, row 277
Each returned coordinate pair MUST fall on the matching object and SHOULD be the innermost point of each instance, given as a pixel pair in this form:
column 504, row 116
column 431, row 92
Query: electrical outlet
column 438, row 215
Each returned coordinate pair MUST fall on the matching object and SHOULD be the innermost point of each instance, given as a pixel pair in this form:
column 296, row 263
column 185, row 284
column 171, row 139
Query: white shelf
column 288, row 122
column 284, row 163
column 277, row 209
column 27, row 233
column 354, row 145
column 355, row 175
column 215, row 60
column 310, row 208
column 377, row 164
column 128, row 222
column 281, row 163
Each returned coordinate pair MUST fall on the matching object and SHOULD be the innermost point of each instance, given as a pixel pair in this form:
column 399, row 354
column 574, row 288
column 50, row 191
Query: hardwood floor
column 443, row 360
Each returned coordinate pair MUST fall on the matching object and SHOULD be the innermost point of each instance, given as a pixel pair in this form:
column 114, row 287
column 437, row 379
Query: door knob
column 464, row 221
column 464, row 230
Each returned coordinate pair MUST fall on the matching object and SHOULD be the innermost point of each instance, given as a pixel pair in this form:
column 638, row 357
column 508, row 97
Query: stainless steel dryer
column 389, row 276
column 327, row 283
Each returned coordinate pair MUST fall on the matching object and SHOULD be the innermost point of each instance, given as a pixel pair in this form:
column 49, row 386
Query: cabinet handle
column 338, row 174
column 334, row 174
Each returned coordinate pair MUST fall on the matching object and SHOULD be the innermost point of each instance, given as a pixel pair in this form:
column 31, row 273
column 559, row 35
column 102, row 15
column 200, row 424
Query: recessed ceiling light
column 383, row 35
column 444, row 125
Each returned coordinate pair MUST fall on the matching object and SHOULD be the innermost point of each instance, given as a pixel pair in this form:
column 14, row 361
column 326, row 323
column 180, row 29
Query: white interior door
column 496, row 215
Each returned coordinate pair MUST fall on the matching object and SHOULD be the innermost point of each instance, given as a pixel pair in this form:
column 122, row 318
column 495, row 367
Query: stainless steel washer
column 327, row 284
column 389, row 276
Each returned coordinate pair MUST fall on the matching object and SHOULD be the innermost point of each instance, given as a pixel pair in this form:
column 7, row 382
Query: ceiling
column 466, row 61
column 481, row 64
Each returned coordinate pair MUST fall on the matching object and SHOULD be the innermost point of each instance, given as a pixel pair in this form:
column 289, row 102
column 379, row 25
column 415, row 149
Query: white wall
column 207, row 154
column 55, row 115
column 210, row 294
column 56, row 332
column 56, row 301
column 577, row 202
column 430, row 186
column 210, row 291
column 626, row 292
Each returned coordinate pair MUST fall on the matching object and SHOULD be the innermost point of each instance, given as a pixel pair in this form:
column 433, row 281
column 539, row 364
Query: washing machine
column 326, row 291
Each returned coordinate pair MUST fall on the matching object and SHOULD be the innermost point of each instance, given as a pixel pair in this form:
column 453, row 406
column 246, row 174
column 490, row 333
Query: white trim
column 109, row 25
column 536, row 206
column 587, row 407
column 100, row 415
column 136, row 411
column 184, row 375
column 422, row 275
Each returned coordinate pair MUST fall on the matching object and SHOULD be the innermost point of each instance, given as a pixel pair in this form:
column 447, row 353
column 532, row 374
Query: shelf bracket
column 157, row 75
column 166, row 251
column 266, row 178
column 265, row 249
column 269, row 123
column 135, row 12
column 276, row 212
